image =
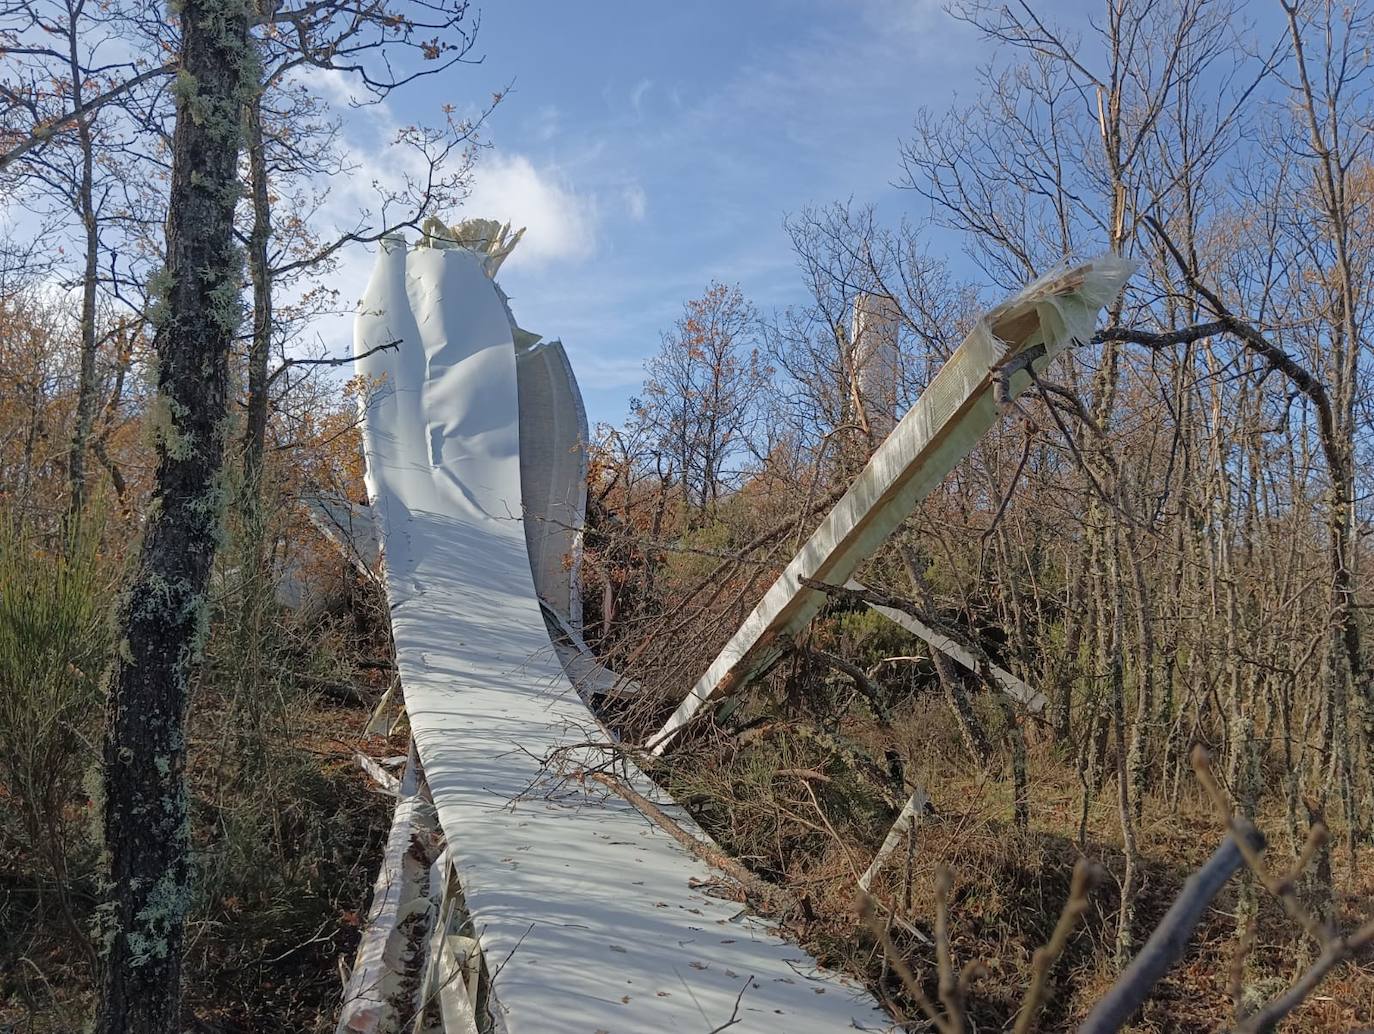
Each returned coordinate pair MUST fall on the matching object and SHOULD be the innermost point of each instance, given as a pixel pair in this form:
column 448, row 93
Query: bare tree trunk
column 33, row 433
column 164, row 611
column 86, row 378
column 1068, row 669
column 1141, row 742
column 1125, row 939
column 260, row 273
column 970, row 728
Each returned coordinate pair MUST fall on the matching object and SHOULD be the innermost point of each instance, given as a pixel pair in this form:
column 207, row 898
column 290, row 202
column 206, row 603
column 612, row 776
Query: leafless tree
column 69, row 115
column 702, row 397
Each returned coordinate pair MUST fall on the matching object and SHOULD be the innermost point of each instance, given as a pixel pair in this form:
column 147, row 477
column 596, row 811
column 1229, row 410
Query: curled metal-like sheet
column 589, row 917
column 553, row 474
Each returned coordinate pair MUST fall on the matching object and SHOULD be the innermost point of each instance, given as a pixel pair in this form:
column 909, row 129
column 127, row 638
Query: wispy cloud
column 805, row 108
column 560, row 222
column 638, row 93
column 546, row 123
column 636, row 202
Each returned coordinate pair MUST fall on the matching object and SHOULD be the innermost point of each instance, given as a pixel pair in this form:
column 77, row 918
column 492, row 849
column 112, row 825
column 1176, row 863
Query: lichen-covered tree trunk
column 164, row 611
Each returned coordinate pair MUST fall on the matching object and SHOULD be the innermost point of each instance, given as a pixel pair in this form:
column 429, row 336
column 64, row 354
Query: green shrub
column 254, row 787
column 55, row 643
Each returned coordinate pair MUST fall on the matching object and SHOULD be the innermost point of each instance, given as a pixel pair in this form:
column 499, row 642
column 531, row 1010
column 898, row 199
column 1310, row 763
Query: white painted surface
column 585, row 912
column 909, row 814
column 553, row 474
column 376, row 998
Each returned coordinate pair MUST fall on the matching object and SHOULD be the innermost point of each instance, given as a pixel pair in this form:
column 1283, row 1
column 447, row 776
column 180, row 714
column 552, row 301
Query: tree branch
column 1171, row 339
column 1170, row 938
column 287, row 364
column 45, row 132
column 1255, row 341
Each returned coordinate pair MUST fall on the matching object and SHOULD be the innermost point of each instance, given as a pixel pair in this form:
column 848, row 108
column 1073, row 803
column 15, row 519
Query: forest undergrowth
column 1167, row 535
column 796, row 814
column 287, row 829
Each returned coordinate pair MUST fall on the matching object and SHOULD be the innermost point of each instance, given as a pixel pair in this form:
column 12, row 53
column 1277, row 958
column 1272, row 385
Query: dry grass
column 264, row 959
column 800, row 816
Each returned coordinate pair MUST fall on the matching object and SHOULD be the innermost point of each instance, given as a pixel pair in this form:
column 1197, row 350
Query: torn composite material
column 956, row 410
column 589, row 918
column 553, row 474
column 1029, row 698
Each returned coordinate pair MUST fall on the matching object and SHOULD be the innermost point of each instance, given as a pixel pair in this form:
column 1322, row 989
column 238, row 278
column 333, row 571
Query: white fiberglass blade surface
column 553, row 474
column 586, row 913
column 1031, row 699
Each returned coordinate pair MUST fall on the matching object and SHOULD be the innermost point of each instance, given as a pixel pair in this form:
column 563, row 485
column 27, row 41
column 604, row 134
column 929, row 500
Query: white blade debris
column 588, row 917
column 958, row 407
column 1027, row 696
column 910, row 815
column 376, row 997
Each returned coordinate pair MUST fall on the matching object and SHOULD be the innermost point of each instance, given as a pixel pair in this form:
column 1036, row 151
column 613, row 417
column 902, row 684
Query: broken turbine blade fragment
column 955, row 411
column 542, row 862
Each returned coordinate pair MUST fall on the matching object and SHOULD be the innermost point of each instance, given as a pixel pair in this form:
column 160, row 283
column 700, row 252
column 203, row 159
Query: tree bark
column 86, row 378
column 260, row 273
column 164, row 611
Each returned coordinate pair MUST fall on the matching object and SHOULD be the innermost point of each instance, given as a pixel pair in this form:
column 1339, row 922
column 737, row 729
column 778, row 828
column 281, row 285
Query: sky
column 652, row 147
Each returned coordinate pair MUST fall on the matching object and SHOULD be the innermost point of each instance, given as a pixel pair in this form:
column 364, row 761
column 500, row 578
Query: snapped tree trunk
column 164, row 611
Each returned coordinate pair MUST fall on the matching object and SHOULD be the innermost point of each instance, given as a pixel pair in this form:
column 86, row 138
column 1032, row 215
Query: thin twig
column 1284, row 890
column 948, row 987
column 1086, row 876
column 651, row 811
column 869, row 915
column 1170, row 938
column 330, row 361
column 1334, row 952
column 734, row 1015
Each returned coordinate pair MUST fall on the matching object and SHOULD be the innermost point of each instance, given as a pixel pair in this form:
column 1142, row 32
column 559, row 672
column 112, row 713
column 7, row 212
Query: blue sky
column 651, row 147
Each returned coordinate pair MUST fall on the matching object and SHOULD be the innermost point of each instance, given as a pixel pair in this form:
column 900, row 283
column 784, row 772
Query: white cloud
column 338, row 88
column 546, row 123
column 637, row 94
column 560, row 223
column 636, row 202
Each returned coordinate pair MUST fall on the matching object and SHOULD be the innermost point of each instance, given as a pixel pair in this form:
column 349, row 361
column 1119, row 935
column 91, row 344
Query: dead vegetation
column 287, row 830
column 801, row 816
column 1163, row 538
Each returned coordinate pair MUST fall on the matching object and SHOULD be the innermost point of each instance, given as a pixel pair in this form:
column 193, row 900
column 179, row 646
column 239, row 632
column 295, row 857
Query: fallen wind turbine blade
column 959, row 406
